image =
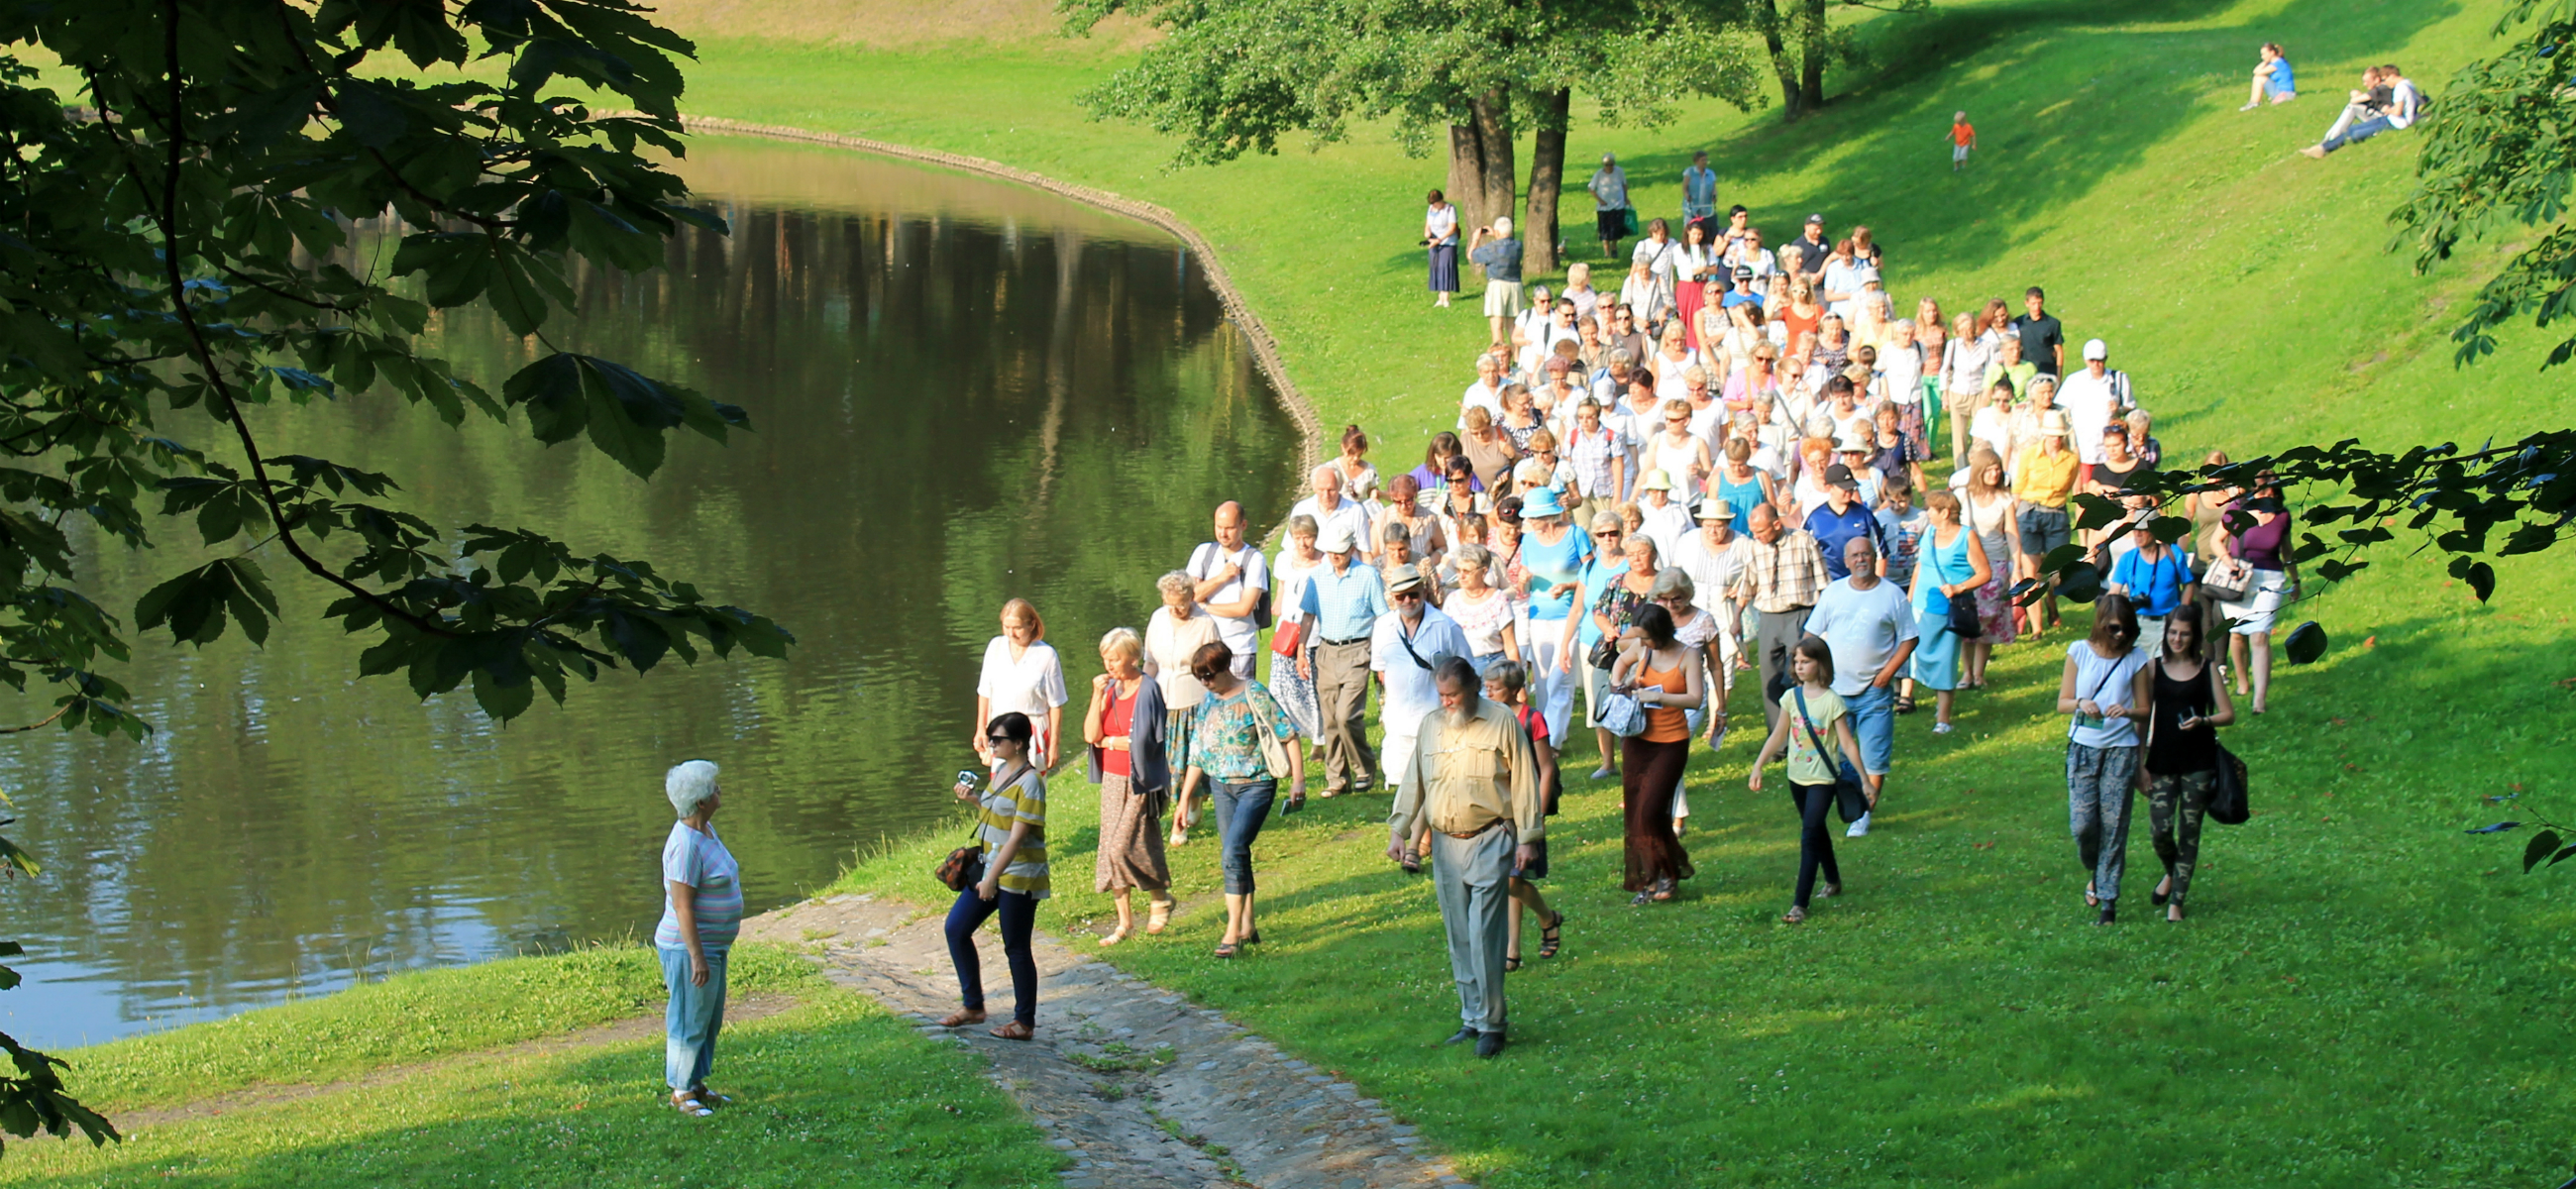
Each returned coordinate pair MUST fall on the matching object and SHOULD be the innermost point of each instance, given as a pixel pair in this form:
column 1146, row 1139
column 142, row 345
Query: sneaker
column 1942, row 728
column 1859, row 829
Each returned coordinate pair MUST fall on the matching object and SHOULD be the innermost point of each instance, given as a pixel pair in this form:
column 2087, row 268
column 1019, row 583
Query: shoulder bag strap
column 1832, row 761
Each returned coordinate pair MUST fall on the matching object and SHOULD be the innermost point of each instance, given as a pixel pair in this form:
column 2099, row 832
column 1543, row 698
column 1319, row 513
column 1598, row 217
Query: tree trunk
column 1811, row 67
column 1494, row 128
column 1466, row 188
column 1547, row 178
column 1782, row 63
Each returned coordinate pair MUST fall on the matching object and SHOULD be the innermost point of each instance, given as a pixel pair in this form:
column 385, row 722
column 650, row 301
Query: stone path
column 1142, row 1089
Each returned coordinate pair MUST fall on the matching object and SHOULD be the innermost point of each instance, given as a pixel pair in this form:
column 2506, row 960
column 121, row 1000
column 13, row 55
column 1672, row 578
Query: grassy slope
column 2355, row 999
column 587, row 1117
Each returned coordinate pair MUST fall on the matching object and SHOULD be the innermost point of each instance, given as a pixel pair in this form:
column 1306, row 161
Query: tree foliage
column 2499, row 159
column 172, row 281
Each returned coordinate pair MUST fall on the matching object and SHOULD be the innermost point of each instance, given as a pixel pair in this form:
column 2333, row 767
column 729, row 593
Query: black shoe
column 1462, row 1036
column 2110, row 915
column 1489, row 1044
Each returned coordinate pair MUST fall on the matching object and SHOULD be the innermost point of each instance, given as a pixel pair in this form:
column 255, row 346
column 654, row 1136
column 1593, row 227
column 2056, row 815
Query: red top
column 1116, row 719
column 1532, row 721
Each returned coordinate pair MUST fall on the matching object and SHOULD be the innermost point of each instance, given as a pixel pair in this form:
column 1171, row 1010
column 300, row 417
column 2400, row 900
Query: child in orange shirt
column 1963, row 137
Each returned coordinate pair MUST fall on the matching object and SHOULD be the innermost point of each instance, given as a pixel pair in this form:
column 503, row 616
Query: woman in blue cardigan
column 1124, row 727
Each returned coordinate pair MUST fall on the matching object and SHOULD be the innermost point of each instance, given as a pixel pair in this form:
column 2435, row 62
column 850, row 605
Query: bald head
column 1229, row 525
column 1327, row 483
column 1764, row 523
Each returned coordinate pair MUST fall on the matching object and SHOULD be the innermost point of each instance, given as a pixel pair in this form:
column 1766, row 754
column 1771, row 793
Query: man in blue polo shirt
column 1841, row 518
column 2157, row 580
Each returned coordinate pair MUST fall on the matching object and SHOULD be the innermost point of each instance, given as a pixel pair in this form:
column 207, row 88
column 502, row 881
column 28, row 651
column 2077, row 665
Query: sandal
column 963, row 1017
column 1663, row 890
column 2162, row 893
column 1905, row 705
column 2090, row 900
column 689, row 1105
column 712, row 1100
column 1115, row 936
column 1015, row 1030
column 1832, row 890
column 1252, row 938
column 1229, row 949
column 1511, row 962
column 1411, row 862
column 1642, row 898
column 1795, row 915
column 1160, row 918
column 1552, row 938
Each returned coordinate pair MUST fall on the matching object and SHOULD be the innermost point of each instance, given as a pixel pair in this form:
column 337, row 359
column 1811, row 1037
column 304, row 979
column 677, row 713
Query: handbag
column 1964, row 622
column 963, row 868
column 2227, row 788
column 1851, row 796
column 1289, row 640
column 1620, row 714
column 1274, row 754
column 2229, row 581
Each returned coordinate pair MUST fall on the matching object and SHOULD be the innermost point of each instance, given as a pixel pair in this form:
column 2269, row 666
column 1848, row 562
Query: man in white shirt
column 1487, row 391
column 2093, row 398
column 1868, row 624
column 1666, row 522
column 1232, row 580
column 1329, row 507
column 1714, row 557
column 1404, row 649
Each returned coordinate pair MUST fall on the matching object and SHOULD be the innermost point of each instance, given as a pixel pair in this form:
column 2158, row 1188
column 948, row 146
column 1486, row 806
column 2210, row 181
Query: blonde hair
column 1541, row 439
column 1023, row 609
column 1578, row 273
column 1942, row 501
column 1123, row 642
column 1479, row 418
column 1978, row 460
column 1175, row 583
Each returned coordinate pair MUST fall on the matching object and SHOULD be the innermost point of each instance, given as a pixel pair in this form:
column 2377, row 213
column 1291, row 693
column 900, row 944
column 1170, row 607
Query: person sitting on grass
column 2394, row 103
column 2273, row 78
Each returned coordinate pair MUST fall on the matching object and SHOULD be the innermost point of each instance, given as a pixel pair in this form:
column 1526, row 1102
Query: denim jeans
column 1019, row 919
column 2362, row 130
column 691, row 1022
column 1873, row 712
column 1241, row 808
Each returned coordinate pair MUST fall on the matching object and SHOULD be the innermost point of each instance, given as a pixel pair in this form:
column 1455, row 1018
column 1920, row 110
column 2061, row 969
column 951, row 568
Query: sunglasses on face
column 1406, row 596
column 997, row 739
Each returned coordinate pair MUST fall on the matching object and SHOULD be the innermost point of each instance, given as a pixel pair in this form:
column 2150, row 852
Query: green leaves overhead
column 624, row 410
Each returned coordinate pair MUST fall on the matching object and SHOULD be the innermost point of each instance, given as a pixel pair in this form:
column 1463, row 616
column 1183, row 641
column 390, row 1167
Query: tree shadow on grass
column 2064, row 95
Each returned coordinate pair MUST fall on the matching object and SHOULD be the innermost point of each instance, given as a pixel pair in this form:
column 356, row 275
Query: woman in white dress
column 1022, row 673
column 1172, row 637
column 1295, row 567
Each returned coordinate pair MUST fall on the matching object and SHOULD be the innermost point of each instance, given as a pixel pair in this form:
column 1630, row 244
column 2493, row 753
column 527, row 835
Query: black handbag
column 1964, row 622
column 1851, row 795
column 2227, row 790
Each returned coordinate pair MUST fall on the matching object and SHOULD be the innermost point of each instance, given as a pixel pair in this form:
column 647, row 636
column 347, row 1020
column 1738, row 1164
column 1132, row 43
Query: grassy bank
column 2363, row 996
column 418, row 1089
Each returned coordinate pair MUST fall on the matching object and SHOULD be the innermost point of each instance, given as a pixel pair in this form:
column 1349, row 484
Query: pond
column 962, row 390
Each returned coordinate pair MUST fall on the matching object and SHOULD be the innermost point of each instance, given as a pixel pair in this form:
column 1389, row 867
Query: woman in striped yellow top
column 1010, row 821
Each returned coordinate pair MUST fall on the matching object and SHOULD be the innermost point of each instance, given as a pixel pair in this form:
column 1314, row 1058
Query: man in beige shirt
column 1474, row 781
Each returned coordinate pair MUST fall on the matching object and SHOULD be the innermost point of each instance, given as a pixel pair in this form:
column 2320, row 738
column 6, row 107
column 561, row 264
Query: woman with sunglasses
column 1227, row 751
column 1010, row 827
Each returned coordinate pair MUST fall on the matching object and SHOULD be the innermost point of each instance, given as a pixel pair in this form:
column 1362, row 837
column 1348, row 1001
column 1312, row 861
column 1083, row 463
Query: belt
column 1345, row 643
column 1478, row 832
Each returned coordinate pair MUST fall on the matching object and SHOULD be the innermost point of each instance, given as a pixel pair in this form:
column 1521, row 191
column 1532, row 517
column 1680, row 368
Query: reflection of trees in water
column 948, row 413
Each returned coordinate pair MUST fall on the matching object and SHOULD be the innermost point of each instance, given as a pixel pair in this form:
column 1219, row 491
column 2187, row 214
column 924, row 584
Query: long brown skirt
column 1131, row 841
column 1652, row 771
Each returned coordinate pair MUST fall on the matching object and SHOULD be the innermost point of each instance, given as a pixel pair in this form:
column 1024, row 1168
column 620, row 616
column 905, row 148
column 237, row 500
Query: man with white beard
column 1474, row 781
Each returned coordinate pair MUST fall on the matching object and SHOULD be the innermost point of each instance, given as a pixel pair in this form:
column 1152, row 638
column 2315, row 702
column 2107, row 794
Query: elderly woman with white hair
column 1124, row 727
column 701, row 914
column 1172, row 637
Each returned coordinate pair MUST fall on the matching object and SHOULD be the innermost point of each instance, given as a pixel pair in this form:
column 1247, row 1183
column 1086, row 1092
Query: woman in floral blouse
column 1227, row 750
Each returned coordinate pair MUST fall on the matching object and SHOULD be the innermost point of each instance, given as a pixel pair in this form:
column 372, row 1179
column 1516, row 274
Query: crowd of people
column 1715, row 482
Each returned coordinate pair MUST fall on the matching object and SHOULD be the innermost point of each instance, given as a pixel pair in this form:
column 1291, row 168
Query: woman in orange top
column 1663, row 676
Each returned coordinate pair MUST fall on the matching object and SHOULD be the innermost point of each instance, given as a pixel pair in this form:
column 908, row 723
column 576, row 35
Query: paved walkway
column 1142, row 1089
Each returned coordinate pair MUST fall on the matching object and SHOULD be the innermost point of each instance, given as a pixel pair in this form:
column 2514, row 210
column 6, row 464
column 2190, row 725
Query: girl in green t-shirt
column 1809, row 715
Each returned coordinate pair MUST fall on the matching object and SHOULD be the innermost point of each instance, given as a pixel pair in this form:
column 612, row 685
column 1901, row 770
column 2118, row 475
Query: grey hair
column 1472, row 554
column 1175, row 583
column 690, row 784
column 1673, row 582
column 2141, row 416
column 1123, row 641
column 1303, row 525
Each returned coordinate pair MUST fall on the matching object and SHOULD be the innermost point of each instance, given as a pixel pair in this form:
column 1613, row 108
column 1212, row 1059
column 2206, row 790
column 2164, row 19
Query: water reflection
column 963, row 391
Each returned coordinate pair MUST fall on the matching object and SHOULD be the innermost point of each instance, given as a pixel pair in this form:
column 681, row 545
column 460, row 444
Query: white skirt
column 2253, row 617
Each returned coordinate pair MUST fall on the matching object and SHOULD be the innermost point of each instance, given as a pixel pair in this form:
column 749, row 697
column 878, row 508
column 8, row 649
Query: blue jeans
column 1873, row 712
column 1241, row 808
column 2363, row 130
column 691, row 1022
column 1019, row 919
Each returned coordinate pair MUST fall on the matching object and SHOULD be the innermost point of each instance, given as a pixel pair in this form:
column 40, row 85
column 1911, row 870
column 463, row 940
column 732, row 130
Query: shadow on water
column 963, row 391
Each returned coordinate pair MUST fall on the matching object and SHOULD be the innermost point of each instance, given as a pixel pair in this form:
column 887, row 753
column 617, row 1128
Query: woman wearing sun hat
column 1553, row 552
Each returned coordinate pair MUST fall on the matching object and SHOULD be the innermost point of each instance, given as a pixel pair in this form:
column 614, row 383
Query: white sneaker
column 1859, row 829
column 1941, row 728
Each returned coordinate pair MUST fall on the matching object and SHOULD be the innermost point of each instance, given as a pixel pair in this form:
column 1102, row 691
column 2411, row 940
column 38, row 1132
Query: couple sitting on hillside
column 2387, row 100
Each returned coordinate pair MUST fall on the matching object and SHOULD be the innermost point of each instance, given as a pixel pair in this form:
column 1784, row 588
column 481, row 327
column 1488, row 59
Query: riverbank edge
column 1238, row 310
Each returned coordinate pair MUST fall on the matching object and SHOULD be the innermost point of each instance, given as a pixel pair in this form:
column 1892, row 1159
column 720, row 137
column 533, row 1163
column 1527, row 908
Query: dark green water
column 963, row 391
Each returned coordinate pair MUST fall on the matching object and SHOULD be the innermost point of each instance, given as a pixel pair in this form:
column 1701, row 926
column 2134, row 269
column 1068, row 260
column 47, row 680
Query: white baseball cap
column 2096, row 349
column 1336, row 538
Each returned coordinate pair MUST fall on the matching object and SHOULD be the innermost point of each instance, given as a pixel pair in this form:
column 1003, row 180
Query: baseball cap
column 1816, row 219
column 1743, row 272
column 1839, row 475
column 1336, row 538
column 2096, row 349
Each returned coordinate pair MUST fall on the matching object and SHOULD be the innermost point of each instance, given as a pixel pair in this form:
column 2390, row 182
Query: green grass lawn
column 831, row 1092
column 2364, row 995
